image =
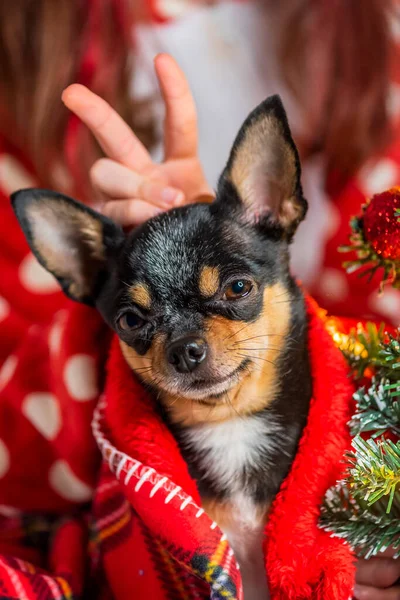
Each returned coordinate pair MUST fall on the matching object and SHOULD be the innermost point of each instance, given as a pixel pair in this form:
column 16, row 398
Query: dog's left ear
column 69, row 239
column 263, row 171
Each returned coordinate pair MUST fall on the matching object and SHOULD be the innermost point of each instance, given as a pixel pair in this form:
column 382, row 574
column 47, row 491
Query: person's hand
column 378, row 578
column 131, row 185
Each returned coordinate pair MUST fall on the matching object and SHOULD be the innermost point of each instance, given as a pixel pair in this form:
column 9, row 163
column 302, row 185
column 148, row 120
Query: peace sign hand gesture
column 135, row 188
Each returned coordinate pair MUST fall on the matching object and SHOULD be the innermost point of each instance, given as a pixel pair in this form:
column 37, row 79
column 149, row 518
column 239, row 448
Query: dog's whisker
column 258, row 358
column 256, row 349
column 236, row 332
column 266, row 335
column 285, row 291
column 142, row 372
column 252, row 367
column 244, row 341
column 230, row 403
column 255, row 337
column 175, row 400
column 281, row 302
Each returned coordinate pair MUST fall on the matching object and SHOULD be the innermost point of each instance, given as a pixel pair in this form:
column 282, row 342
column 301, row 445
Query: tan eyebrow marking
column 140, row 294
column 209, row 281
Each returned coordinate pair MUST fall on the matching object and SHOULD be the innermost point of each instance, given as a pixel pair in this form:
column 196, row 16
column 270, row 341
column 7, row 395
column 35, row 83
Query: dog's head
column 199, row 296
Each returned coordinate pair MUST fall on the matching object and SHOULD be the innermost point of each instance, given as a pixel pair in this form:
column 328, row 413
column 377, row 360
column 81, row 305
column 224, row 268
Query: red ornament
column 381, row 225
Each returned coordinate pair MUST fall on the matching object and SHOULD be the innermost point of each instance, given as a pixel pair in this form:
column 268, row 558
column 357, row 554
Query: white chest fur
column 225, row 452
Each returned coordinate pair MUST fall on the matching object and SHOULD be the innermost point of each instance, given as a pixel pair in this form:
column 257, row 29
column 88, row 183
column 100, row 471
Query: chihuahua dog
column 209, row 319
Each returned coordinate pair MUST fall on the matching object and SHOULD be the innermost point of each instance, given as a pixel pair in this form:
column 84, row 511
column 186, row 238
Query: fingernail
column 172, row 197
column 357, row 592
column 98, row 207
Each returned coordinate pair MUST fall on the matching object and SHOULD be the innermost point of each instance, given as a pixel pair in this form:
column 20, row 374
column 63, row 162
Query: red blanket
column 145, row 535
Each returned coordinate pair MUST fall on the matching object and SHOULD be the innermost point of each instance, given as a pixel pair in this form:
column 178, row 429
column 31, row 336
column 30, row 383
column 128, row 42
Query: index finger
column 180, row 129
column 114, row 135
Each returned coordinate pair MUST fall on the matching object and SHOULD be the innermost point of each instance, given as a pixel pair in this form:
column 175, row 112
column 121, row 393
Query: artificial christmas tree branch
column 377, row 411
column 375, row 471
column 368, row 529
column 370, row 347
column 364, row 508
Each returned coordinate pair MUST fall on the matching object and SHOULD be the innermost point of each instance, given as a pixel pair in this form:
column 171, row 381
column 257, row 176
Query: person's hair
column 45, row 45
column 349, row 44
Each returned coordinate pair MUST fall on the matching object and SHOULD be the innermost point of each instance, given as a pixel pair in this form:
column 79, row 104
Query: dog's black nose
column 186, row 353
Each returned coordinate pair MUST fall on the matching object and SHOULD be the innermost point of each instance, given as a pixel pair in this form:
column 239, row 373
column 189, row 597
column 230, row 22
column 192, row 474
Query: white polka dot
column 80, row 377
column 7, row 370
column 43, row 411
column 35, row 278
column 4, row 308
column 56, row 331
column 9, row 511
column 333, row 221
column 394, row 23
column 55, row 337
column 393, row 101
column 66, row 483
column 379, row 177
column 13, row 175
column 333, row 285
column 388, row 304
column 4, row 459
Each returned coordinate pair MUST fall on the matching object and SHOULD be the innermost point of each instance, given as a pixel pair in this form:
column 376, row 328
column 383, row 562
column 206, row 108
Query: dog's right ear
column 263, row 171
column 70, row 240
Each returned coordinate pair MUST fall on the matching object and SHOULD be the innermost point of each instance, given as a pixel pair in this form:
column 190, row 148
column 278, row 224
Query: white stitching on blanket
column 143, row 479
column 121, row 465
column 157, row 486
column 131, row 472
column 172, row 494
column 185, row 503
column 111, row 459
column 110, row 453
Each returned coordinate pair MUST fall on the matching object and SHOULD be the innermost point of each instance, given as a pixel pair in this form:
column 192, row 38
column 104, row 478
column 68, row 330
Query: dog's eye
column 129, row 321
column 238, row 289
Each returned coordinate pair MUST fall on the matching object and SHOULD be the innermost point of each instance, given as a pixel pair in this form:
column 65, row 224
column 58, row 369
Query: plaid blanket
column 145, row 535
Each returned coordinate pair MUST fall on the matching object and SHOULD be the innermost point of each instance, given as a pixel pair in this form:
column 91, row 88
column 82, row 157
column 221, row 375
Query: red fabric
column 49, row 466
column 49, row 462
column 168, row 538
column 178, row 552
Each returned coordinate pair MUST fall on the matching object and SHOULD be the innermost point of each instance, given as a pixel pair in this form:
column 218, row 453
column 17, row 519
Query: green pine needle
column 377, row 411
column 368, row 530
column 364, row 508
column 375, row 470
